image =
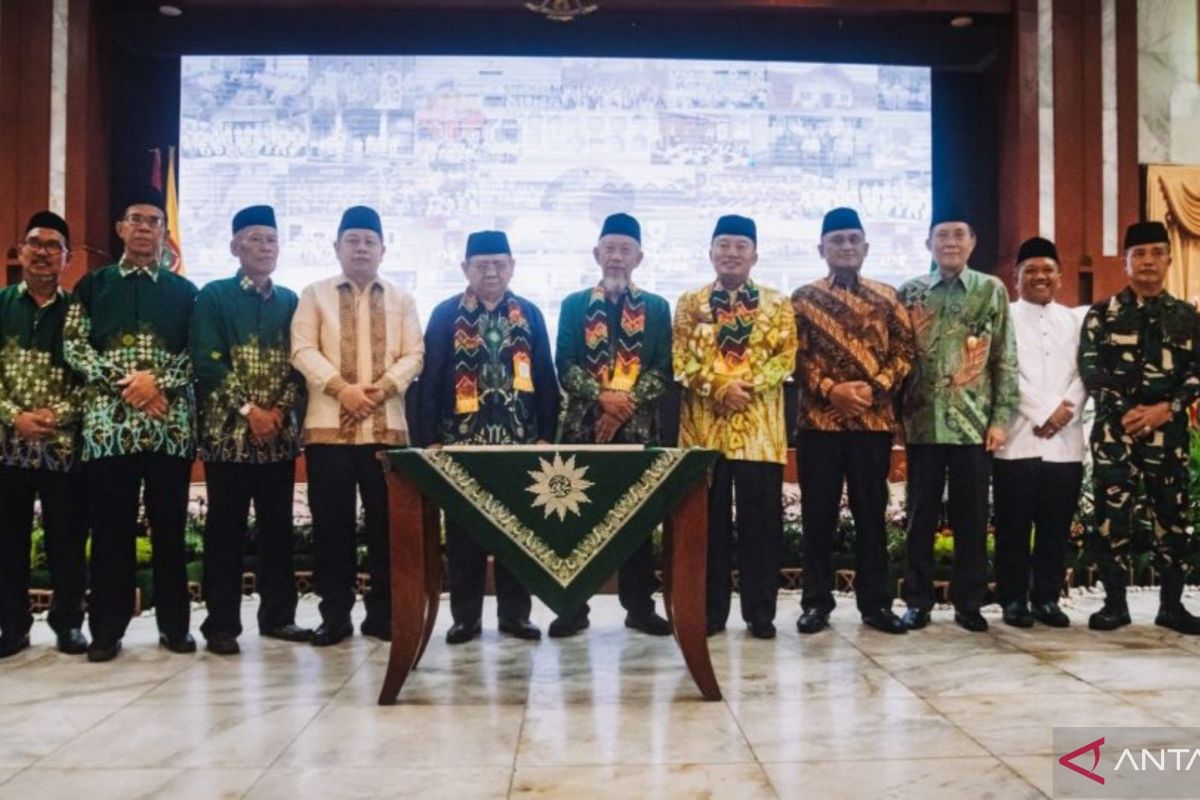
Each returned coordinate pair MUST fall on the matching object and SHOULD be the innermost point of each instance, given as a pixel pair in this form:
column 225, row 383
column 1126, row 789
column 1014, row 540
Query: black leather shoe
column 1109, row 618
column 99, row 651
column 289, row 633
column 813, row 621
column 328, row 634
column 1017, row 615
column 11, row 645
column 1178, row 619
column 463, row 632
column 762, row 629
column 971, row 621
column 377, row 630
column 222, row 644
column 520, row 629
column 72, row 642
column 1050, row 614
column 180, row 644
column 915, row 618
column 650, row 624
column 564, row 627
column 885, row 621
column 713, row 628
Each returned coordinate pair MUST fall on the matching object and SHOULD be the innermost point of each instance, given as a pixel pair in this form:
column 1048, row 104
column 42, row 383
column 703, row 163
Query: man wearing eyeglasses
column 126, row 333
column 39, row 428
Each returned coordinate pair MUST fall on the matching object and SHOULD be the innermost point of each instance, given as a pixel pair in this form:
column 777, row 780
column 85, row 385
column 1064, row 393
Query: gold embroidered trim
column 378, row 322
column 562, row 569
column 348, row 333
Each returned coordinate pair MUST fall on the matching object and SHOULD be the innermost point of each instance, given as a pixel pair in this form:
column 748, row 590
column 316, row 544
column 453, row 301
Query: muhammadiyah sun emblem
column 559, row 487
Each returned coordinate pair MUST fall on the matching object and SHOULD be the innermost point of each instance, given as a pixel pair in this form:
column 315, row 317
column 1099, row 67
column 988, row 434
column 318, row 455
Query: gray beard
column 613, row 286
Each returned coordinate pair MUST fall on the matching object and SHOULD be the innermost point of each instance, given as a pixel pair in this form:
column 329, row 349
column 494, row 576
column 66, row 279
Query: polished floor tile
column 408, row 735
column 951, row 778
column 1009, row 725
column 689, row 732
column 122, row 784
column 611, row 713
column 366, row 783
column 157, row 735
column 30, row 732
column 659, row 781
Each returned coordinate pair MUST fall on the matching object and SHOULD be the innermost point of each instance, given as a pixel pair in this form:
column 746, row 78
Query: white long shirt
column 1048, row 373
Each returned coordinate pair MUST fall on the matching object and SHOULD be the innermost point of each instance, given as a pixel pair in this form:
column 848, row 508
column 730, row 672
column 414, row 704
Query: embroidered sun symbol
column 559, row 487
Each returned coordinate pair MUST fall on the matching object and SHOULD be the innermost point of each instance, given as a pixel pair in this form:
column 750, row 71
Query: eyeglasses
column 48, row 246
column 149, row 221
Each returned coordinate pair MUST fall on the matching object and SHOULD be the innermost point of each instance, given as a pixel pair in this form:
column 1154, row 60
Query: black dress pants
column 65, row 526
column 969, row 469
column 861, row 461
column 231, row 488
column 467, row 565
column 635, row 583
column 115, row 487
column 1033, row 497
column 759, row 488
column 337, row 473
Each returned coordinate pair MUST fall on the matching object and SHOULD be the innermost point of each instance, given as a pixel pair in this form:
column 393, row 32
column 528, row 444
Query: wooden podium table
column 416, row 558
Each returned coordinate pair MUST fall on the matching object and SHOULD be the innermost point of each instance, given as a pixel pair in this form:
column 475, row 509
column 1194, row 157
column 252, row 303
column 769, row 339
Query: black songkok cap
column 1037, row 247
column 361, row 218
column 487, row 243
column 623, row 225
column 1146, row 233
column 733, row 225
column 144, row 196
column 841, row 219
column 50, row 221
column 950, row 213
column 254, row 215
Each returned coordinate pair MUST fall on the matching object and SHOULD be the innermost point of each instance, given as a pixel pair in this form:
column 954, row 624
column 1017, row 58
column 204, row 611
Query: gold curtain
column 1173, row 198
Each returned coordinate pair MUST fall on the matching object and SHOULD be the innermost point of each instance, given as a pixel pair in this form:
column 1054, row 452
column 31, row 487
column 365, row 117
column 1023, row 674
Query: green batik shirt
column 241, row 351
column 1139, row 352
column 964, row 377
column 34, row 375
column 124, row 319
column 582, row 409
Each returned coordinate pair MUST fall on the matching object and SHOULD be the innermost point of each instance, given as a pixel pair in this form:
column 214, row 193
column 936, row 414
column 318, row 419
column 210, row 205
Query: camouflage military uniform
column 1140, row 352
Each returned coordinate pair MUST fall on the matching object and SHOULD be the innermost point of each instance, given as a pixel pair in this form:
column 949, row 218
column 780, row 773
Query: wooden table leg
column 432, row 527
column 685, row 584
column 408, row 582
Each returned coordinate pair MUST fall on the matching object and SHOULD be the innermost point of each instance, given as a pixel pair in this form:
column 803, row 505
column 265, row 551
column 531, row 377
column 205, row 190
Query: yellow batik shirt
column 758, row 433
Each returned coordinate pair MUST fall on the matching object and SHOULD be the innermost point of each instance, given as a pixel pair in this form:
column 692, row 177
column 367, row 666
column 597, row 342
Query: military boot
column 1171, row 613
column 1115, row 612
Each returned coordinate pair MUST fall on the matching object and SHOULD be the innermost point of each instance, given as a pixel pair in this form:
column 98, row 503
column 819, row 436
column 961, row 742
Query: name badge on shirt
column 522, row 373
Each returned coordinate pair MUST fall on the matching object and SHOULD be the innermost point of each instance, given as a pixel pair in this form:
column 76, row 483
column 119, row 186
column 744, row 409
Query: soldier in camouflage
column 1139, row 357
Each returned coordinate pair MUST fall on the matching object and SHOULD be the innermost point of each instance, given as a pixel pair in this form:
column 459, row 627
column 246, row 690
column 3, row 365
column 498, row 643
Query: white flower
column 559, row 487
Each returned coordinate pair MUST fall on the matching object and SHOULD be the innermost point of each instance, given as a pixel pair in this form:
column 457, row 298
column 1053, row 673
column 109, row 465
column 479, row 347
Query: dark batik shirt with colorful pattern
column 582, row 390
column 505, row 415
column 964, row 378
column 34, row 375
column 241, row 351
column 124, row 319
column 850, row 329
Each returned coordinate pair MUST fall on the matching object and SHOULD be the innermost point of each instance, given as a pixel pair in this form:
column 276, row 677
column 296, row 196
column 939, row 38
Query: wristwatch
column 1175, row 406
column 245, row 409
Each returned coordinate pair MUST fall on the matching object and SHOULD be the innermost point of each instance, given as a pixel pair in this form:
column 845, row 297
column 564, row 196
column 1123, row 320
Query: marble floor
column 844, row 714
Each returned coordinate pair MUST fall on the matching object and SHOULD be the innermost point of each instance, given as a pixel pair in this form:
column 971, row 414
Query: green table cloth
column 561, row 519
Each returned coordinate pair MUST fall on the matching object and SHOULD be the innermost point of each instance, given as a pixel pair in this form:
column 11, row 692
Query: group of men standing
column 124, row 381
